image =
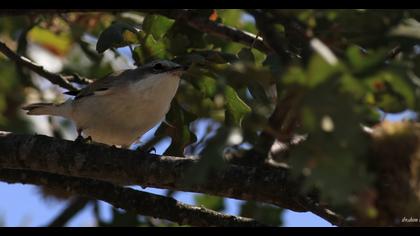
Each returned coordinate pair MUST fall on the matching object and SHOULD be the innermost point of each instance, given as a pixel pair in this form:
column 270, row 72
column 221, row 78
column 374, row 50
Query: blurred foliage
column 262, row 212
column 237, row 86
column 211, row 202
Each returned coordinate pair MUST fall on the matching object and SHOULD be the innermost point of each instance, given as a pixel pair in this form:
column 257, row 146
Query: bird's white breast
column 127, row 112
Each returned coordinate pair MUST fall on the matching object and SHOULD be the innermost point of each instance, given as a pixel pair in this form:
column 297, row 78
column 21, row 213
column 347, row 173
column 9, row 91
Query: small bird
column 120, row 108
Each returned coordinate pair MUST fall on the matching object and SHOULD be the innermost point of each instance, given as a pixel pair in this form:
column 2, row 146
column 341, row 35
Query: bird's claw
column 152, row 149
column 81, row 139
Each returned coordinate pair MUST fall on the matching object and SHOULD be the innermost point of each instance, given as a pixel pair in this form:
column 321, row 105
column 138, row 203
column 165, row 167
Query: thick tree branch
column 129, row 199
column 60, row 80
column 125, row 167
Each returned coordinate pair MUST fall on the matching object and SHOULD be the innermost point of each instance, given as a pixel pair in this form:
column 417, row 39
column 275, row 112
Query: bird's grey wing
column 101, row 86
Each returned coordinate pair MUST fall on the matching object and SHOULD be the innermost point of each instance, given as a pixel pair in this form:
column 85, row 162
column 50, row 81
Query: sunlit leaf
column 150, row 50
column 211, row 202
column 236, row 107
column 157, row 25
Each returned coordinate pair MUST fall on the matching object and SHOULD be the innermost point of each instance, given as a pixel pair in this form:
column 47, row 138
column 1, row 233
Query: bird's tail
column 46, row 109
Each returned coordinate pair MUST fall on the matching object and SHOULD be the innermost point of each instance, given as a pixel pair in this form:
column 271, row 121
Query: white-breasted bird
column 120, row 108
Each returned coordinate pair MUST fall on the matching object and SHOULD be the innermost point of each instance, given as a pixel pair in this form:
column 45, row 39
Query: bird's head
column 164, row 67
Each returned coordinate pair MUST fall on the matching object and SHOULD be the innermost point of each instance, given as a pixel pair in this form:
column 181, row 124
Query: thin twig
column 255, row 40
column 60, row 80
column 75, row 206
column 394, row 52
column 323, row 212
column 78, row 79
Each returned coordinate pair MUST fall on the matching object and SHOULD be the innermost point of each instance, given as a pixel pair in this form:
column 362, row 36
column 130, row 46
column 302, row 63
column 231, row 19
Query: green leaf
column 236, row 107
column 262, row 212
column 361, row 62
column 273, row 62
column 353, row 86
column 319, row 70
column 150, row 50
column 195, row 37
column 211, row 157
column 118, row 34
column 195, row 101
column 178, row 44
column 157, row 25
column 294, row 75
column 231, row 17
column 211, row 202
column 207, row 85
column 178, row 129
column 391, row 91
column 336, row 145
column 309, row 120
column 246, row 55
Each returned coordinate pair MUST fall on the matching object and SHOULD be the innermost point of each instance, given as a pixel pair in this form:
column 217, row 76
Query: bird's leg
column 144, row 149
column 80, row 138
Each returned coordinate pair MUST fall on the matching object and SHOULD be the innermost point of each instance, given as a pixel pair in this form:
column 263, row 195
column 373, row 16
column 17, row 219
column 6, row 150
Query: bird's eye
column 157, row 67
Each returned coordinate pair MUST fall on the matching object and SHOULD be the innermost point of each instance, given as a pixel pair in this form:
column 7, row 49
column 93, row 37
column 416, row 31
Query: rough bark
column 129, row 199
column 125, row 167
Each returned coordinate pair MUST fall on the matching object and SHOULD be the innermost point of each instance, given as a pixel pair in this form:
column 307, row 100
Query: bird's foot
column 148, row 151
column 153, row 149
column 81, row 139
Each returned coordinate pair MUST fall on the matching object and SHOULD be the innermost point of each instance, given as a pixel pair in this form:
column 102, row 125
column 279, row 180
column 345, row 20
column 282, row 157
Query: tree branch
column 125, row 167
column 71, row 210
column 213, row 28
column 199, row 23
column 271, row 36
column 60, row 80
column 129, row 199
